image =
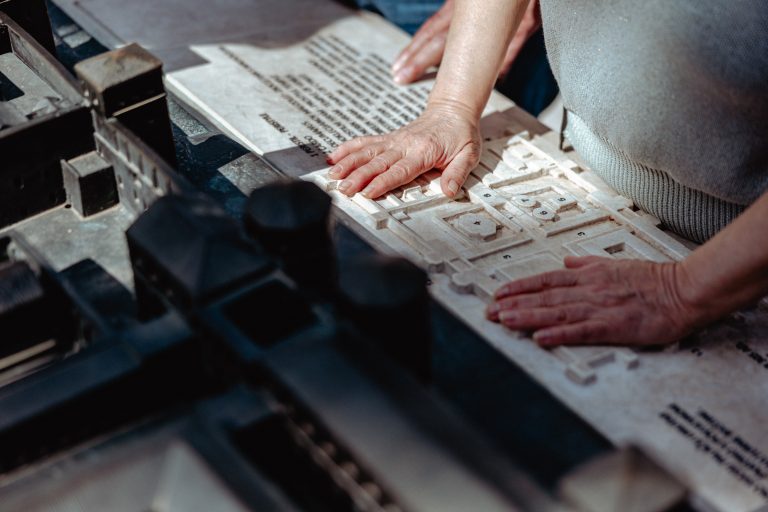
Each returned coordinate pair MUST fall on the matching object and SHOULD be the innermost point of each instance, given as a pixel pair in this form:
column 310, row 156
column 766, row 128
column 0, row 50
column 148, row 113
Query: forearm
column 477, row 43
column 730, row 271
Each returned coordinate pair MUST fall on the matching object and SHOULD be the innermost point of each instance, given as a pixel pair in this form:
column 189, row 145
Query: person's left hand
column 598, row 300
column 428, row 44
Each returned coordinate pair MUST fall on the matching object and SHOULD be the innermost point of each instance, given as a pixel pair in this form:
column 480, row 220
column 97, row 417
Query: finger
column 528, row 26
column 537, row 318
column 438, row 22
column 455, row 174
column 351, row 162
column 538, row 282
column 546, row 298
column 582, row 261
column 400, row 173
column 512, row 52
column 430, row 54
column 363, row 175
column 420, row 38
column 350, row 147
column 589, row 332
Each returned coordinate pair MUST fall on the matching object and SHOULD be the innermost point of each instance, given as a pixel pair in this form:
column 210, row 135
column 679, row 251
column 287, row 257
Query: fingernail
column 453, row 186
column 344, row 186
column 402, row 76
column 493, row 309
column 508, row 316
column 367, row 192
column 398, row 65
column 328, row 160
column 543, row 338
column 334, row 172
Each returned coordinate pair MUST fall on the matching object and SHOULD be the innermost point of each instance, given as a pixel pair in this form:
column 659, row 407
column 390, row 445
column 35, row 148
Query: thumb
column 513, row 50
column 581, row 261
column 456, row 172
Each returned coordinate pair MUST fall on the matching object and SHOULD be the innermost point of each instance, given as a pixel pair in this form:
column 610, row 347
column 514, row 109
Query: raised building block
column 90, row 184
column 127, row 84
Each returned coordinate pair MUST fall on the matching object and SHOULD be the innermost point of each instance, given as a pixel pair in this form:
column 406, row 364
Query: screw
column 507, row 256
column 486, row 195
column 581, row 233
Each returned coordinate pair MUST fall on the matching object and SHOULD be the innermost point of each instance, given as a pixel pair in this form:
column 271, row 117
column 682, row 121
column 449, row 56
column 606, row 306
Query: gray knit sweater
column 668, row 101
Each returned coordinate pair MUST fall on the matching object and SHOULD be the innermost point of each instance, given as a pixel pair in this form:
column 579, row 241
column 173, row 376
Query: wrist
column 690, row 297
column 453, row 108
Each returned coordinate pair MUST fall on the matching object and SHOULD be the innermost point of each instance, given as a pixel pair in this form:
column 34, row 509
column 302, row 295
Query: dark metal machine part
column 289, row 400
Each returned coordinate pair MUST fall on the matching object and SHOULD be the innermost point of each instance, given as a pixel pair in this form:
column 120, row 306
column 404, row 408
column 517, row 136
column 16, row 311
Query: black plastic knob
column 291, row 221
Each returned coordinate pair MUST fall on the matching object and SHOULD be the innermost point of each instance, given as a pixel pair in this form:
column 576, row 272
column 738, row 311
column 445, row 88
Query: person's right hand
column 428, row 44
column 444, row 137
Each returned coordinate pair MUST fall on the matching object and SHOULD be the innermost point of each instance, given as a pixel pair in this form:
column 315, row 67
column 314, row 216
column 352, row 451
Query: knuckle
column 539, row 317
column 358, row 160
column 594, row 273
column 523, row 317
column 379, row 163
column 546, row 280
column 369, row 153
column 398, row 173
column 346, row 164
column 473, row 150
column 549, row 298
column 510, row 303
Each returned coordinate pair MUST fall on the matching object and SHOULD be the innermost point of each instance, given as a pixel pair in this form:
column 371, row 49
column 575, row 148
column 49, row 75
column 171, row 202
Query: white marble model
column 520, row 213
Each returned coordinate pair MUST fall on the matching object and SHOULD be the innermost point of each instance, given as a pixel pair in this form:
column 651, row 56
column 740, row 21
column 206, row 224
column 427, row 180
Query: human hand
column 443, row 137
column 428, row 44
column 426, row 48
column 530, row 23
column 598, row 300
